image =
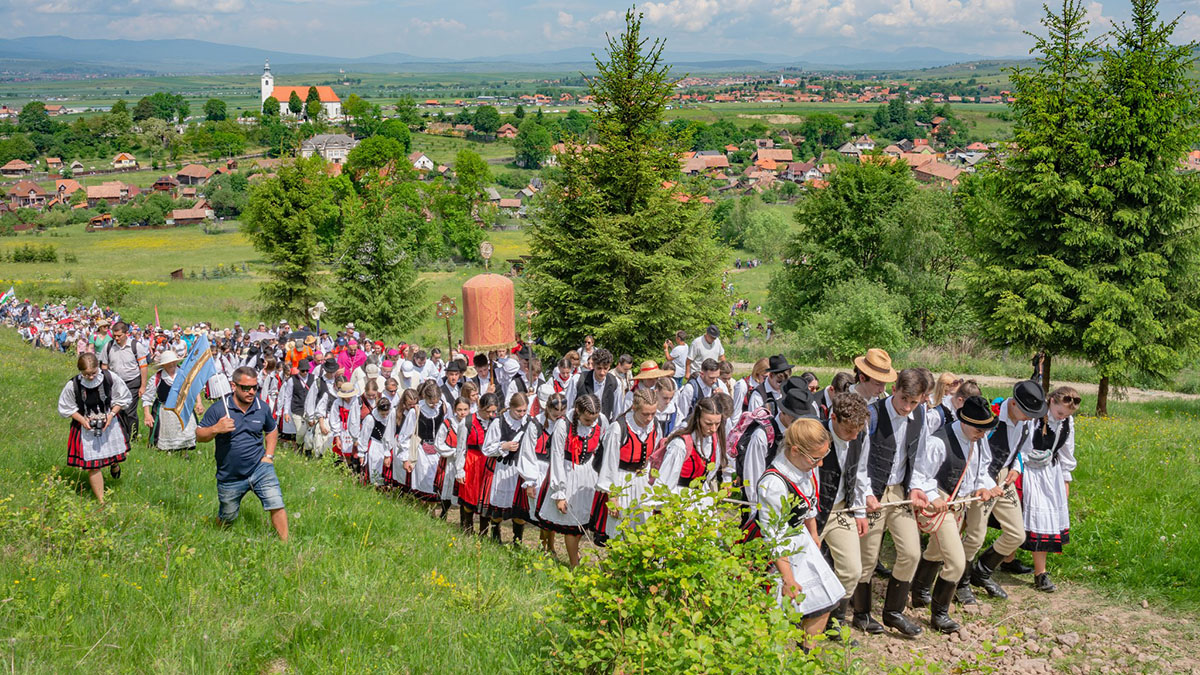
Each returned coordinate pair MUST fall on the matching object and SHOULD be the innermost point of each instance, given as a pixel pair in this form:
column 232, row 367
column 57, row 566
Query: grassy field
column 150, row 584
column 370, row 583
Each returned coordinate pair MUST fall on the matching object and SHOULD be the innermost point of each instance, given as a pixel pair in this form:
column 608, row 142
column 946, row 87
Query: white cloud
column 687, row 15
column 440, row 24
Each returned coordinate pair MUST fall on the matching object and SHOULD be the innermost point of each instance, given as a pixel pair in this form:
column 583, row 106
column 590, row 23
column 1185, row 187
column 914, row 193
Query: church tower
column 268, row 82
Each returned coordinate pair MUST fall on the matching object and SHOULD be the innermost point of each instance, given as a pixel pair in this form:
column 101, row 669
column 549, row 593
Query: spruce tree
column 375, row 282
column 613, row 253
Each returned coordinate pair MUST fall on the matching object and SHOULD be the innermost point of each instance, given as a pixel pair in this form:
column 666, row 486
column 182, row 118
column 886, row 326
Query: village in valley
column 170, row 150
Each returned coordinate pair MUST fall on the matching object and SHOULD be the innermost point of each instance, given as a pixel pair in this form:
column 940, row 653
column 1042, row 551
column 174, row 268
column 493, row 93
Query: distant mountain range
column 70, row 55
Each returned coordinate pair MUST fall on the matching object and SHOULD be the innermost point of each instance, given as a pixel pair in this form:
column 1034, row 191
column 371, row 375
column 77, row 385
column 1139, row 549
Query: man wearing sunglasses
column 245, row 435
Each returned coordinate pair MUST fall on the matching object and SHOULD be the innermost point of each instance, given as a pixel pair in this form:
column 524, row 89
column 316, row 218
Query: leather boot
column 518, row 533
column 465, row 520
column 881, row 570
column 1042, row 583
column 1015, row 566
column 893, row 608
column 939, row 618
column 927, row 571
column 837, row 619
column 484, row 523
column 981, row 573
column 496, row 530
column 963, row 594
column 862, row 610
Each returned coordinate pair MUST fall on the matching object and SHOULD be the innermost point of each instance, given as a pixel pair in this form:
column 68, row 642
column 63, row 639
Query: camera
column 96, row 424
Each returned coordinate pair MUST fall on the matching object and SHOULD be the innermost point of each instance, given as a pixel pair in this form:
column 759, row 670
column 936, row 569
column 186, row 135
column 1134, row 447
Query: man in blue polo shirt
column 245, row 459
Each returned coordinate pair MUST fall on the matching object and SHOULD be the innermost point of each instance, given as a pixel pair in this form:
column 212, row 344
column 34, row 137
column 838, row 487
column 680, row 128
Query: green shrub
column 29, row 253
column 677, row 594
column 112, row 292
column 859, row 315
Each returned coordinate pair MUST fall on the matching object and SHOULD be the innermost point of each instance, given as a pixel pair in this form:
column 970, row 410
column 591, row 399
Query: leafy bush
column 112, row 292
column 858, row 315
column 28, row 253
column 57, row 522
column 677, row 594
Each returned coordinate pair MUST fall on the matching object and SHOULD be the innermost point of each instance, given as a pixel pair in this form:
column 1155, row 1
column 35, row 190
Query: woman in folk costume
column 271, row 380
column 470, row 391
column 471, row 462
column 565, row 501
column 431, row 413
column 345, row 416
column 562, row 376
column 93, row 400
column 787, row 500
column 667, row 419
column 623, row 459
column 451, row 438
column 376, row 442
column 534, row 464
column 691, row 449
column 168, row 431
column 391, row 391
column 746, row 386
column 645, row 379
column 502, row 484
column 397, row 469
column 1046, row 483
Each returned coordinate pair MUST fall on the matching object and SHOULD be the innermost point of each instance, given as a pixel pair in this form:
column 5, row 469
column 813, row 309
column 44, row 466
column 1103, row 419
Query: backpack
column 660, row 452
column 133, row 345
column 762, row 416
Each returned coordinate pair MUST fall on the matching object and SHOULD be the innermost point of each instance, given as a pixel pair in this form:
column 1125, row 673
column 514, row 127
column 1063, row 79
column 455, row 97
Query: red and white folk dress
column 572, row 477
column 87, row 449
column 470, row 493
column 623, row 460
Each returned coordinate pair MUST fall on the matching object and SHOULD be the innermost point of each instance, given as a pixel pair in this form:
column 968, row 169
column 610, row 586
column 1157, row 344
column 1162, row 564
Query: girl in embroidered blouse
column 1046, row 483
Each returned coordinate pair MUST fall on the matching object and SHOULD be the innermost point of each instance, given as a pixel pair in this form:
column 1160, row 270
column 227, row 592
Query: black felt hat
column 977, row 413
column 1030, row 398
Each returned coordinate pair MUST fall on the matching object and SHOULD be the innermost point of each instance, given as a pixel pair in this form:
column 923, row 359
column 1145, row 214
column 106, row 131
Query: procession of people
column 578, row 446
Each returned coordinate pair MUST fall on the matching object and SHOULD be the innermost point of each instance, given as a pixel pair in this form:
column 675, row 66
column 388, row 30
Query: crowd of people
column 574, row 446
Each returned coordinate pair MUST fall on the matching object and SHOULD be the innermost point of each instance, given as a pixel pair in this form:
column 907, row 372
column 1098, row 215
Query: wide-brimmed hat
column 310, row 340
column 649, row 370
column 470, row 372
column 798, row 402
column 778, row 364
column 1030, row 398
column 877, row 365
column 304, row 366
column 330, row 366
column 794, row 382
column 976, row 412
column 346, row 390
column 166, row 357
column 454, row 366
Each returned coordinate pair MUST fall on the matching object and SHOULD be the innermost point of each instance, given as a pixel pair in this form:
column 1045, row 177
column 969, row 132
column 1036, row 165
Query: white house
column 333, row 147
column 331, row 105
column 864, row 143
column 420, row 162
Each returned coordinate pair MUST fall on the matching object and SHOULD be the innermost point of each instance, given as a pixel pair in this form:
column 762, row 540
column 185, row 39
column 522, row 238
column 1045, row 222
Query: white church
column 330, row 103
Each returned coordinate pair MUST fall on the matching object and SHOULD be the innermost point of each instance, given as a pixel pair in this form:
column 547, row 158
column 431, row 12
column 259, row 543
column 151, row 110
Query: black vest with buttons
column 954, row 463
column 883, row 448
column 832, row 474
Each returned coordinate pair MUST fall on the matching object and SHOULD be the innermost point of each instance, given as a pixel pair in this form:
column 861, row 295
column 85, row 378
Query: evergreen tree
column 313, row 95
column 375, row 282
column 612, row 253
column 282, row 219
column 295, row 105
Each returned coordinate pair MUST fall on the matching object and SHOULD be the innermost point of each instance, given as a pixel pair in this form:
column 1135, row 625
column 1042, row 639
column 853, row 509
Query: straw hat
column 310, row 340
column 649, row 370
column 346, row 390
column 471, row 372
column 167, row 356
column 877, row 364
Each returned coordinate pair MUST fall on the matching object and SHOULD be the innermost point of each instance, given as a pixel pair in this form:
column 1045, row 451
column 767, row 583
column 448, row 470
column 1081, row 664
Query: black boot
column 496, row 530
column 518, row 533
column 1041, row 582
column 882, row 571
column 939, row 619
column 893, row 608
column 484, row 523
column 465, row 518
column 837, row 619
column 862, row 610
column 963, row 594
column 927, row 571
column 981, row 573
column 1015, row 566
column 445, row 509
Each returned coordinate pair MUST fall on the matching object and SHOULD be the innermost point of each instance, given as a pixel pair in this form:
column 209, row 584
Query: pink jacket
column 348, row 363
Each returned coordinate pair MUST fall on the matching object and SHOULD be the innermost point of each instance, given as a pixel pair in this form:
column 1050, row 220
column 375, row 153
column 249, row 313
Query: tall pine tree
column 614, row 254
column 375, row 282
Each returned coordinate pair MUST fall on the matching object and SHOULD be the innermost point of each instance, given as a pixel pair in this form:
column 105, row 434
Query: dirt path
column 1129, row 394
column 1074, row 630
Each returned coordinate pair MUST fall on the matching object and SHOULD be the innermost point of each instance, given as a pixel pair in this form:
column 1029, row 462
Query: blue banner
column 190, row 379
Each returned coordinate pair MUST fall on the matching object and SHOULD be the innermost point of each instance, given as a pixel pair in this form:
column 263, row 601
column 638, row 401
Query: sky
column 474, row 28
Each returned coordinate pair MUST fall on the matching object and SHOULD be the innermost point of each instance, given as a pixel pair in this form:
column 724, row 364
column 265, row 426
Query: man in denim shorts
column 245, row 459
